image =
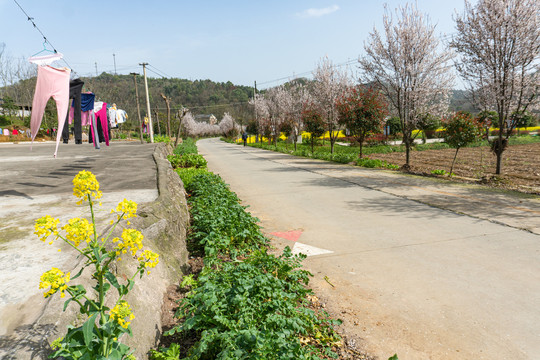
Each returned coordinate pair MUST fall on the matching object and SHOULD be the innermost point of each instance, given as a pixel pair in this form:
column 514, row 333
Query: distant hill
column 200, row 96
column 460, row 101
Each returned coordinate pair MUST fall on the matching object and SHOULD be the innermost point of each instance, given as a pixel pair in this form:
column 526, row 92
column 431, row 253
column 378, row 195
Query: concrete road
column 410, row 264
column 34, row 184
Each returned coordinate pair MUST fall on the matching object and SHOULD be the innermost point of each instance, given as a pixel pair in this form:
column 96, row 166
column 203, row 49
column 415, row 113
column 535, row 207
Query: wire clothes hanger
column 45, row 50
column 45, row 56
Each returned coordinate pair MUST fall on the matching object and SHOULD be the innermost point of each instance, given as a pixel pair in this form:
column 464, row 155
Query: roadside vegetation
column 245, row 303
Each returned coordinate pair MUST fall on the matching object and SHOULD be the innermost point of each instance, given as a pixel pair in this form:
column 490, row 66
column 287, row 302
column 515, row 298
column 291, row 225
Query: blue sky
column 237, row 41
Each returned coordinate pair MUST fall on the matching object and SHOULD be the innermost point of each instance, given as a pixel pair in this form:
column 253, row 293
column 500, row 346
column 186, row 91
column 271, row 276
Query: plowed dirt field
column 520, row 165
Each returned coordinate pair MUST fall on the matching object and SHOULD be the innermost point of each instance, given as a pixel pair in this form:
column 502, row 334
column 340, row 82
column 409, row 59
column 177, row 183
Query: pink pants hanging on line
column 86, row 116
column 51, row 82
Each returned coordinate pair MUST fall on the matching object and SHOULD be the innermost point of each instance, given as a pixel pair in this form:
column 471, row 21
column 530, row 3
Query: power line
column 160, row 75
column 45, row 40
column 348, row 62
column 164, row 73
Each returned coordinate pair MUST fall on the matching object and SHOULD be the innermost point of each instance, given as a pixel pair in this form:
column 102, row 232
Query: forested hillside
column 200, row 96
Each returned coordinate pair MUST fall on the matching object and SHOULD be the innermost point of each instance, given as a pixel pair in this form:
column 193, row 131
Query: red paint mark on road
column 292, row 235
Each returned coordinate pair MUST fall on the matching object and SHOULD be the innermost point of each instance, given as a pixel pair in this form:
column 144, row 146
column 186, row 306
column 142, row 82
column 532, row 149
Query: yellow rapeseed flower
column 86, row 183
column 78, row 230
column 56, row 280
column 148, row 259
column 46, row 226
column 120, row 312
column 131, row 241
column 128, row 208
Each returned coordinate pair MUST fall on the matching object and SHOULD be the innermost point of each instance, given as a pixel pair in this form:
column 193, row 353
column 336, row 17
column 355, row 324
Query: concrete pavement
column 417, row 266
column 34, row 184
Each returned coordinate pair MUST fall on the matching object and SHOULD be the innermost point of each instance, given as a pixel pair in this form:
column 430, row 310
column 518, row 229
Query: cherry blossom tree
column 261, row 110
column 405, row 63
column 277, row 102
column 292, row 103
column 329, row 84
column 499, row 44
column 229, row 128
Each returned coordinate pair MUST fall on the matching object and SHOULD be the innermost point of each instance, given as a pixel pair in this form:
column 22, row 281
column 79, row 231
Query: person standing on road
column 244, row 137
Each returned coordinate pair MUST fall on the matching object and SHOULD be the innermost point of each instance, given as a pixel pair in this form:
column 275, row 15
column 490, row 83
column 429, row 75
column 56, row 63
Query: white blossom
column 405, row 63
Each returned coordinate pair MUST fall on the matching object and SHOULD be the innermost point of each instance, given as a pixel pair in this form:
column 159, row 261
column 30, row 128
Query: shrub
column 376, row 139
column 187, row 174
column 221, row 226
column 375, row 163
column 186, row 147
column 162, row 138
column 438, row 172
column 461, row 130
column 187, row 161
column 250, row 309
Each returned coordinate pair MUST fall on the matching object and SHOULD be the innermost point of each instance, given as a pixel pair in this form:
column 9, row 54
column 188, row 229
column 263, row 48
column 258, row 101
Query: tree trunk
column 453, row 162
column 407, row 154
column 499, row 150
column 184, row 112
column 499, row 158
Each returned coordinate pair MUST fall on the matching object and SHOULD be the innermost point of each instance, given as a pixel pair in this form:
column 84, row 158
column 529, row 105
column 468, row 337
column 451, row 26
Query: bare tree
column 499, row 44
column 168, row 104
column 329, row 85
column 408, row 67
column 181, row 114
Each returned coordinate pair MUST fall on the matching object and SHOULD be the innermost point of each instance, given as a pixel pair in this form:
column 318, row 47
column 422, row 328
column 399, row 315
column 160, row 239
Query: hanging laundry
column 51, row 82
column 121, row 116
column 75, row 88
column 15, row 132
column 87, row 108
column 111, row 114
column 6, row 132
column 100, row 110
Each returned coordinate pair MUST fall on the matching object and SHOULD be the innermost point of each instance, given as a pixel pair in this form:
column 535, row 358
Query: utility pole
column 255, row 110
column 148, row 112
column 114, row 59
column 96, row 68
column 138, row 107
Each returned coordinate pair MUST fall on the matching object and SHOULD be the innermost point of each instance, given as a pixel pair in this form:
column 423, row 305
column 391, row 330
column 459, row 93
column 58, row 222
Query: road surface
column 396, row 257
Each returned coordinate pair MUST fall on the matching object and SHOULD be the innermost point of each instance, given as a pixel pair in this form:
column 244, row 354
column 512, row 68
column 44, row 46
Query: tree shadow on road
column 30, row 340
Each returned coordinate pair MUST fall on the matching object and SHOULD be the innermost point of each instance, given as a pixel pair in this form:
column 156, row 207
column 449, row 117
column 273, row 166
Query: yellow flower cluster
column 78, row 230
column 131, row 241
column 148, row 259
column 120, row 312
column 128, row 208
column 46, row 226
column 56, row 280
column 86, row 183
